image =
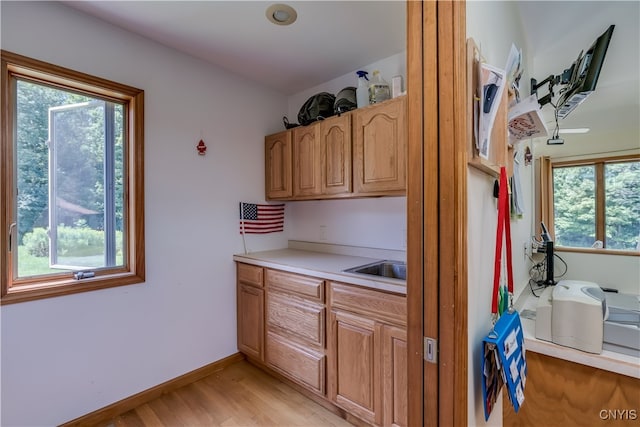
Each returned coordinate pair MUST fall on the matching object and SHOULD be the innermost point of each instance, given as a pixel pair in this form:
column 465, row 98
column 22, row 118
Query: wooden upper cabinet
column 335, row 146
column 380, row 144
column 357, row 154
column 306, row 161
column 278, row 176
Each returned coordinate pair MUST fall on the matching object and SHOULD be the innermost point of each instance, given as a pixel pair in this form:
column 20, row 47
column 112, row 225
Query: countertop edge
column 389, row 285
column 607, row 360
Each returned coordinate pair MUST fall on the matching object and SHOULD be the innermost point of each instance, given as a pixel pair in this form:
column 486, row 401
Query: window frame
column 109, row 189
column 12, row 290
column 545, row 209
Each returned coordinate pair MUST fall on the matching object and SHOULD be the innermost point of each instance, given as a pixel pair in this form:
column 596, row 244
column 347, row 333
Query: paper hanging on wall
column 526, row 121
column 491, row 87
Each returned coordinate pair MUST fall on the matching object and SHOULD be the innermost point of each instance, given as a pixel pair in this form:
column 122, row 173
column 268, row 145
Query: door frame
column 437, row 211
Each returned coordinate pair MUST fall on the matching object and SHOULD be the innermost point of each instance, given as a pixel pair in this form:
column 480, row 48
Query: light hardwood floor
column 239, row 395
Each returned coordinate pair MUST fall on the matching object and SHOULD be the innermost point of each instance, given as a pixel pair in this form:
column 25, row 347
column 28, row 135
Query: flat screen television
column 582, row 76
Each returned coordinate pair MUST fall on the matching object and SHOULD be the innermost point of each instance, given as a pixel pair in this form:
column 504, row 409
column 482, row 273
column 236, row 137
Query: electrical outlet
column 323, row 233
column 527, row 249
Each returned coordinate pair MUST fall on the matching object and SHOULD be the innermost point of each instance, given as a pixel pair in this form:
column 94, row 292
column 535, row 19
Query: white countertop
column 607, row 360
column 328, row 266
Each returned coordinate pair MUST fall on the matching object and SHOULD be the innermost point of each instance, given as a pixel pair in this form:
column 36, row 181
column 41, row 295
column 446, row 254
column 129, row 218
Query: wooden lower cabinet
column 346, row 344
column 368, row 368
column 354, row 374
column 295, row 340
column 295, row 328
column 303, row 365
column 301, row 320
column 250, row 310
column 250, row 306
column 394, row 374
column 368, row 354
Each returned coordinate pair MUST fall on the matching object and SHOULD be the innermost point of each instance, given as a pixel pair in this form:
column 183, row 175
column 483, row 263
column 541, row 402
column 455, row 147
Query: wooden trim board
column 436, row 211
column 415, row 213
column 452, row 200
column 111, row 411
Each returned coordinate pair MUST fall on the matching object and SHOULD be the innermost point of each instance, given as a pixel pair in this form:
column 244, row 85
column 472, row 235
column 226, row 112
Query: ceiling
column 556, row 33
column 333, row 38
column 328, row 39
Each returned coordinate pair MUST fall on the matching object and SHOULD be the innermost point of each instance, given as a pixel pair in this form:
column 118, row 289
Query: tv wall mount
column 552, row 80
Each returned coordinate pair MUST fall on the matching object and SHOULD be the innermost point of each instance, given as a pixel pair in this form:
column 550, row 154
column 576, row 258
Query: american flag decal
column 260, row 219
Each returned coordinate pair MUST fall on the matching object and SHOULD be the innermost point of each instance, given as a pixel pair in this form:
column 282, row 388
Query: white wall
column 395, row 65
column 621, row 272
column 616, row 271
column 493, row 26
column 373, row 222
column 67, row 356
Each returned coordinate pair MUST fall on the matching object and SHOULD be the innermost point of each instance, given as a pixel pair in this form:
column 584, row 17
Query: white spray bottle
column 362, row 92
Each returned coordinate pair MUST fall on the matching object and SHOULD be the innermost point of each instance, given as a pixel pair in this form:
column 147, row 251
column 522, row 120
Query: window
column 594, row 203
column 72, row 181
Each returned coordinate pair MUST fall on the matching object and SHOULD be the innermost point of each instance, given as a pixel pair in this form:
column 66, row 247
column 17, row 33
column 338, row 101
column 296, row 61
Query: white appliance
column 622, row 328
column 572, row 314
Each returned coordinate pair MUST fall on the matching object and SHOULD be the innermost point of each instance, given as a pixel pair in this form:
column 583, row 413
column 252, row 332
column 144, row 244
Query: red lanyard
column 503, row 227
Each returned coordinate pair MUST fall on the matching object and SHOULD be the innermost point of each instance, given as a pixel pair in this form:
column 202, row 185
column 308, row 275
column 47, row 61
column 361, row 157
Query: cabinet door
column 394, row 374
column 251, row 321
column 277, row 155
column 335, row 145
column 354, row 374
column 306, row 161
column 380, row 146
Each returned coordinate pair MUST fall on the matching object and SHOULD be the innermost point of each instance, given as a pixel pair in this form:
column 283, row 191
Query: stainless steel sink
column 392, row 269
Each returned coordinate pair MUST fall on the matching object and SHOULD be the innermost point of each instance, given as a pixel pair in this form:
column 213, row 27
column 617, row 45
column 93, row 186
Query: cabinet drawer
column 308, row 287
column 303, row 366
column 301, row 319
column 382, row 306
column 250, row 274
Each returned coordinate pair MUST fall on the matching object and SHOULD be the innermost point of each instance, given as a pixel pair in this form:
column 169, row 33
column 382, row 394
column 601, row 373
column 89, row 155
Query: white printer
column 572, row 314
column 622, row 328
